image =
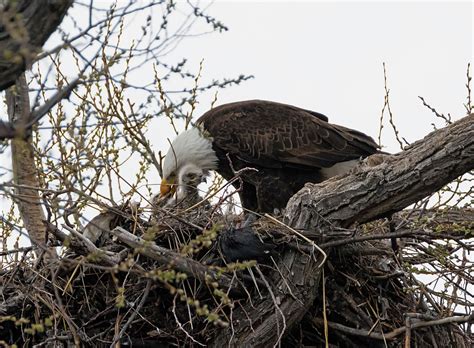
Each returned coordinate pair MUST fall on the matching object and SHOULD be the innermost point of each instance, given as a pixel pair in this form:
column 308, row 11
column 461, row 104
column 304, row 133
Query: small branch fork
column 412, row 318
column 176, row 261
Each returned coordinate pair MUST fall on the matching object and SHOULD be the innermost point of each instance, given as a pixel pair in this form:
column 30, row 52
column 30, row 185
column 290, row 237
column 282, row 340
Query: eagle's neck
column 190, row 147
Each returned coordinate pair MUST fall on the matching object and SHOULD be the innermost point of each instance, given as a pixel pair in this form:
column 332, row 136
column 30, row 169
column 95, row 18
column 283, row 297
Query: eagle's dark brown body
column 287, row 145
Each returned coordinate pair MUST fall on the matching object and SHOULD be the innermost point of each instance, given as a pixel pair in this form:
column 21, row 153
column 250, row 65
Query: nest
column 177, row 279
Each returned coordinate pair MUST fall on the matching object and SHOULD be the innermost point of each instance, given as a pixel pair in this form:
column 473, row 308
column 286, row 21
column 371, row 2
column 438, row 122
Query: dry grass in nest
column 168, row 283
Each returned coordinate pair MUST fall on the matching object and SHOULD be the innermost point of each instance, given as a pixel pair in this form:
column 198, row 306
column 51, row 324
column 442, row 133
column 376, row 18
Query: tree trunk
column 25, row 173
column 25, row 26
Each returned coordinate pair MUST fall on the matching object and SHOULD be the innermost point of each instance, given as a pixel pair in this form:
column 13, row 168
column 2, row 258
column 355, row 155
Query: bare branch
column 24, row 168
column 402, row 179
column 22, row 39
column 166, row 257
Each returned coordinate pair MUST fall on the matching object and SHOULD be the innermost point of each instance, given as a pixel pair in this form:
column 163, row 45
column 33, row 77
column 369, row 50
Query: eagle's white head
column 190, row 149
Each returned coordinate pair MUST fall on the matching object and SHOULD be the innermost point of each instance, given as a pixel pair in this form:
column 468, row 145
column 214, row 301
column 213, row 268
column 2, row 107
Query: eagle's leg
column 273, row 194
column 248, row 197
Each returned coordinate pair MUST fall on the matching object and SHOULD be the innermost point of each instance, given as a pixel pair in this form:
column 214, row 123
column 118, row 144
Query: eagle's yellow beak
column 167, row 187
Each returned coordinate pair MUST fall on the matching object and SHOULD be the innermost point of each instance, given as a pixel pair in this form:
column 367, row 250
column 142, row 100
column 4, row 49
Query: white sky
column 327, row 56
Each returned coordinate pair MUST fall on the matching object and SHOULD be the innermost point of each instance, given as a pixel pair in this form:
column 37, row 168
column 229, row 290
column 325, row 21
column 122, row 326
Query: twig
column 313, row 244
column 72, row 326
column 403, row 233
column 18, row 250
column 325, row 319
column 173, row 310
column 37, row 114
column 169, row 258
column 469, row 104
column 139, row 307
column 407, row 332
column 386, row 106
column 275, row 302
column 393, row 334
column 103, row 256
column 447, row 119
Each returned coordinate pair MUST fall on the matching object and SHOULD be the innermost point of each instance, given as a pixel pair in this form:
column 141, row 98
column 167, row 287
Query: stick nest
column 177, row 279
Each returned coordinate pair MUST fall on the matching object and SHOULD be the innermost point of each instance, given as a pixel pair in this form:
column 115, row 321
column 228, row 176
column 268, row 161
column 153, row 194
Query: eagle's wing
column 276, row 135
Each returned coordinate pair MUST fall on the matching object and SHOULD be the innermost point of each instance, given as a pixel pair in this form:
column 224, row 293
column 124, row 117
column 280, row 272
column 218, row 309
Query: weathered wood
column 25, row 26
column 368, row 192
column 25, row 173
column 365, row 194
column 173, row 260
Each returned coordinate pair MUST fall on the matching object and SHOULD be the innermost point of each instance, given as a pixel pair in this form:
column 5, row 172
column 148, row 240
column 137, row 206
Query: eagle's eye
column 192, row 176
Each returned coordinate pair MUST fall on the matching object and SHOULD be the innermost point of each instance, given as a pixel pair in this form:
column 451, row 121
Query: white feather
column 190, row 147
column 338, row 169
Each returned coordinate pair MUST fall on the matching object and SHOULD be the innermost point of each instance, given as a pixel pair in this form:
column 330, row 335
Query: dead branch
column 174, row 260
column 393, row 334
column 24, row 168
column 21, row 39
column 363, row 195
column 402, row 179
column 440, row 223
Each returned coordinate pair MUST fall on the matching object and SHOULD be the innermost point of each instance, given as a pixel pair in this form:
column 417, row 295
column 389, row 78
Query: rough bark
column 166, row 257
column 25, row 173
column 365, row 194
column 25, row 26
column 402, row 179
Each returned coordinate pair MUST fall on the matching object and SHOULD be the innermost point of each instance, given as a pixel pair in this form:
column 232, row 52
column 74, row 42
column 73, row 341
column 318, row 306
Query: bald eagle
column 288, row 146
column 186, row 188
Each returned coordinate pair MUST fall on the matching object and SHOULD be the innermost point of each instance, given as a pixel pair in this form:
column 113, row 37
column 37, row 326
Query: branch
column 440, row 224
column 10, row 130
column 402, row 179
column 24, row 27
column 25, row 171
column 360, row 196
column 63, row 93
column 83, row 246
column 393, row 334
column 170, row 258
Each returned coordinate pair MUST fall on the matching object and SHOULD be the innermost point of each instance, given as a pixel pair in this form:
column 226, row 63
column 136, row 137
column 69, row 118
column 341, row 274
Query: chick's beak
column 167, row 188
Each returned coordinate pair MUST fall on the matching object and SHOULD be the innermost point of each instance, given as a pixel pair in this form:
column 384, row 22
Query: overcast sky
column 328, row 56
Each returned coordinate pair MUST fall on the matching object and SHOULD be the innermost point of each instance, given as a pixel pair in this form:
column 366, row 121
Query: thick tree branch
column 24, row 168
column 167, row 257
column 363, row 195
column 25, row 26
column 402, row 179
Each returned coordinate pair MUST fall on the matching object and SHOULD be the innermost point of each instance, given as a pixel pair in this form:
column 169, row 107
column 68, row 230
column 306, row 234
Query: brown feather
column 278, row 135
column 288, row 145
